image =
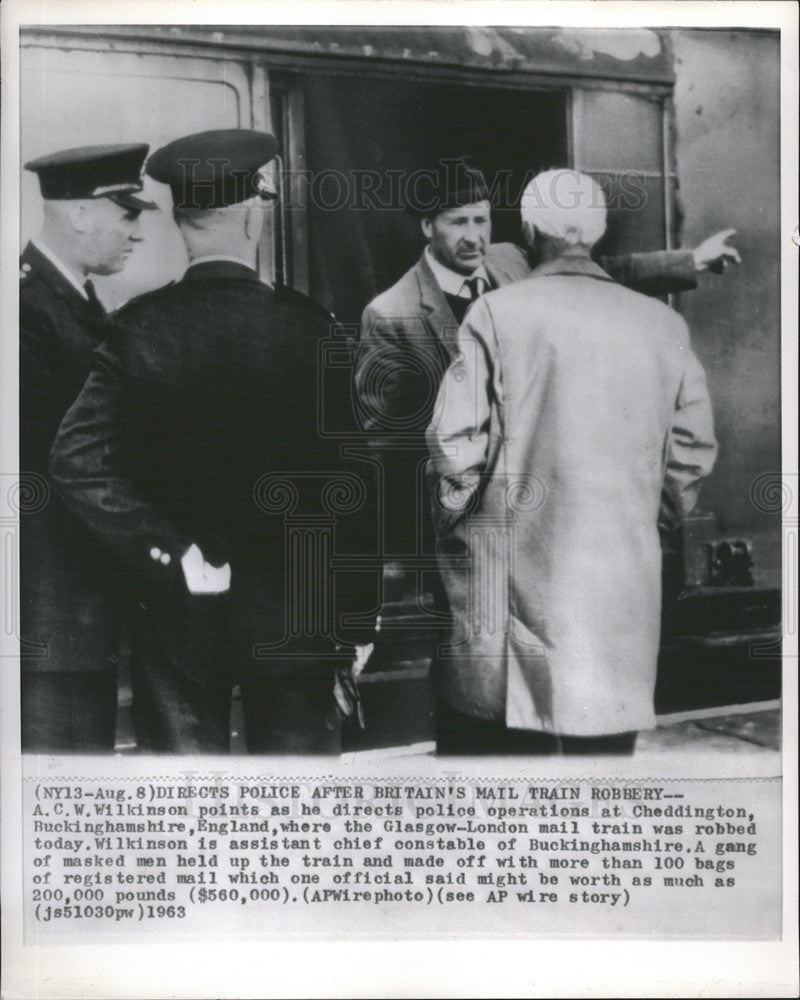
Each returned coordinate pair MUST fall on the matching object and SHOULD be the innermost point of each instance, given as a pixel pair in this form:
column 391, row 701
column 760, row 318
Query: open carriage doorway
column 363, row 136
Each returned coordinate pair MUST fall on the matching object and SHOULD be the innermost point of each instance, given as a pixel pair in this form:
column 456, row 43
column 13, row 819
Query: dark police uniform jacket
column 201, row 421
column 70, row 591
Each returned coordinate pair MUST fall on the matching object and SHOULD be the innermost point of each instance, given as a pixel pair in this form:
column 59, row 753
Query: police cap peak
column 213, row 169
column 113, row 172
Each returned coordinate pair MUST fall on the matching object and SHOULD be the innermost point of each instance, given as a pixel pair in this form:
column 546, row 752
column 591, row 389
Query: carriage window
column 352, row 142
column 619, row 138
column 349, row 141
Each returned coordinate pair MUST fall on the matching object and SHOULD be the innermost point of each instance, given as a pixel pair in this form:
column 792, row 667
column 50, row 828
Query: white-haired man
column 571, row 404
column 408, row 332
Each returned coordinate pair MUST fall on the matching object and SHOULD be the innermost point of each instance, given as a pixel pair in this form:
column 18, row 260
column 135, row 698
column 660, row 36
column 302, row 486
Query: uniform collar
column 202, row 268
column 60, row 267
column 571, row 264
column 451, row 282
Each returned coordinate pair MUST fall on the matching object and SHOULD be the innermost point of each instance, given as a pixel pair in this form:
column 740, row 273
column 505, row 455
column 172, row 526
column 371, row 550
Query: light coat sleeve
column 458, row 436
column 395, row 371
column 88, row 469
column 382, row 375
column 379, row 349
column 691, row 446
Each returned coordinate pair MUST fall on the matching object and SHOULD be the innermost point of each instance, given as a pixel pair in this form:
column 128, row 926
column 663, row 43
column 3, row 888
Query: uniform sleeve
column 87, row 465
column 658, row 273
column 38, row 400
column 692, row 446
column 36, row 332
column 458, row 437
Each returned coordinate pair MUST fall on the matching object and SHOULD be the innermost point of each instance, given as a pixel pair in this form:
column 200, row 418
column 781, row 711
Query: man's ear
column 427, row 228
column 254, row 219
column 78, row 213
column 528, row 234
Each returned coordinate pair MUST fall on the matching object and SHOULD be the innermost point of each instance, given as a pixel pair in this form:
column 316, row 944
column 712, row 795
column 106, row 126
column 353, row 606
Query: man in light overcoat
column 571, row 404
column 409, row 332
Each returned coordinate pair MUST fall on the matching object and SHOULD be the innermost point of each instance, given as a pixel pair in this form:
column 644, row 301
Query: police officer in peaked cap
column 195, row 453
column 71, row 598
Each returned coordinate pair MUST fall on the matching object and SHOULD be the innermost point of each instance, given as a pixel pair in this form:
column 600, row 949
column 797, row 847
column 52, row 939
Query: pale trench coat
column 571, row 403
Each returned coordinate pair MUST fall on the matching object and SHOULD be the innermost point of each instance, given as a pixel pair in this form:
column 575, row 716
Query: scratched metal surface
column 629, row 54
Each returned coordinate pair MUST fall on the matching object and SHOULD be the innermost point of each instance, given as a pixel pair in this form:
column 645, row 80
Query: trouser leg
column 173, row 713
column 68, row 711
column 459, row 734
column 292, row 714
column 621, row 744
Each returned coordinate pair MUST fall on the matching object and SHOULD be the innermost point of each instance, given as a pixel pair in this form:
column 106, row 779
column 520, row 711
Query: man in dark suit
column 71, row 597
column 195, row 453
column 408, row 333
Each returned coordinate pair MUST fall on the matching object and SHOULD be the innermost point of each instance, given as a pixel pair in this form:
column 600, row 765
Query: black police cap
column 214, row 169
column 450, row 183
column 113, row 172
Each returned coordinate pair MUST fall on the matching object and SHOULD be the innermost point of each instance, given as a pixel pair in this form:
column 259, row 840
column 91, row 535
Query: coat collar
column 85, row 310
column 572, row 265
column 438, row 312
column 440, row 316
column 32, row 260
column 498, row 272
column 220, row 268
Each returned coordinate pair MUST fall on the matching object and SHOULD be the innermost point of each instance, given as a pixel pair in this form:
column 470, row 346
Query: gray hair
column 565, row 204
column 194, row 218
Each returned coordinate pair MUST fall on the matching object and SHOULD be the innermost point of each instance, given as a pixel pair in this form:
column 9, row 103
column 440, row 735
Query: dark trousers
column 289, row 714
column 292, row 715
column 173, row 713
column 68, row 711
column 462, row 735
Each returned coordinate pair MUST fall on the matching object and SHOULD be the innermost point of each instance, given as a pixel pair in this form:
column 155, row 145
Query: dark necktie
column 475, row 286
column 95, row 305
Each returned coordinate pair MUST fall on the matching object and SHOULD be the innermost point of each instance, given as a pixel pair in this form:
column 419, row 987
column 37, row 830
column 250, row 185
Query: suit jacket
column 71, row 597
column 572, row 403
column 408, row 335
column 201, row 422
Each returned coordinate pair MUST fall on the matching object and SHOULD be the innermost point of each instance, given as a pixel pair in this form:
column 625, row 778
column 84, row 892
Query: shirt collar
column 220, row 256
column 61, row 267
column 450, row 282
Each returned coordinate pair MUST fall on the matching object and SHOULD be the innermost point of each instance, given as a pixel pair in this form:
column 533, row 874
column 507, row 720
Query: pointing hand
column 714, row 253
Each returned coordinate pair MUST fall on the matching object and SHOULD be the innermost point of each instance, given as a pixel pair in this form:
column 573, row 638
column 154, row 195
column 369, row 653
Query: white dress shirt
column 453, row 283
